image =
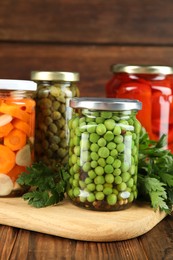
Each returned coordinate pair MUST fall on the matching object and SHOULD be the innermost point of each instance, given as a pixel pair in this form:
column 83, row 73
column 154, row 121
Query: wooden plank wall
column 84, row 36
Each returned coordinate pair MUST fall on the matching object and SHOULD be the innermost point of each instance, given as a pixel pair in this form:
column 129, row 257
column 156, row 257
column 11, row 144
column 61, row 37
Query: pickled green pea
column 99, row 187
column 92, row 174
column 117, row 163
column 91, row 197
column 94, row 147
column 111, row 145
column 118, row 139
column 103, row 152
column 94, row 156
column 99, row 180
column 101, row 142
column 117, row 130
column 111, row 199
column 99, row 170
column 109, row 178
column 102, row 162
column 99, row 195
column 91, row 187
column 109, row 160
column 106, row 114
column 109, row 123
column 107, row 190
column 100, row 129
column 109, row 169
column 94, row 164
column 117, row 180
column 109, row 136
column 86, row 167
column 76, row 191
column 94, row 137
column 91, row 127
column 120, row 147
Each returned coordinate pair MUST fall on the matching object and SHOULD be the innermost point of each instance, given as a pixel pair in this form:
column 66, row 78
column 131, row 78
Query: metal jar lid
column 13, row 84
column 55, row 76
column 111, row 104
column 141, row 69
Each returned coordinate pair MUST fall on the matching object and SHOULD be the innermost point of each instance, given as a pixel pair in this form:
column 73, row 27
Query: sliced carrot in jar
column 21, row 125
column 7, row 159
column 15, row 172
column 15, row 140
column 14, row 111
column 5, row 129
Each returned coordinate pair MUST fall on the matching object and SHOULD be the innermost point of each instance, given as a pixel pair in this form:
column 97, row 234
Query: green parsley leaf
column 48, row 185
column 155, row 172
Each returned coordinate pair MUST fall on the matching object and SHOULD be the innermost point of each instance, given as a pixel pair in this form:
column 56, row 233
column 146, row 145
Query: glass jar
column 55, row 89
column 153, row 86
column 103, row 153
column 17, row 125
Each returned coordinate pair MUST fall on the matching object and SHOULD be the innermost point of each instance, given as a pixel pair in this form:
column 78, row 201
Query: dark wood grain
column 92, row 62
column 100, row 21
column 22, row 244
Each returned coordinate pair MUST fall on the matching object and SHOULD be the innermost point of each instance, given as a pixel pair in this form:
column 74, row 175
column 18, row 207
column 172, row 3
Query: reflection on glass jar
column 55, row 89
column 17, row 125
column 153, row 86
column 103, row 153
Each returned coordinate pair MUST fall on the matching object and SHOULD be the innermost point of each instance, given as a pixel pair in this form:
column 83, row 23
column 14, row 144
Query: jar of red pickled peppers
column 153, row 86
column 17, row 124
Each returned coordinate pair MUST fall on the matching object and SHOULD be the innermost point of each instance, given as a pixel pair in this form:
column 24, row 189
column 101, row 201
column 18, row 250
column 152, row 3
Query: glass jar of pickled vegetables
column 17, row 125
column 153, row 86
column 103, row 153
column 55, row 89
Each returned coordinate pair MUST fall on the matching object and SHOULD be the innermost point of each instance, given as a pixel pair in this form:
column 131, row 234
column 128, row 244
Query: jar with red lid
column 153, row 86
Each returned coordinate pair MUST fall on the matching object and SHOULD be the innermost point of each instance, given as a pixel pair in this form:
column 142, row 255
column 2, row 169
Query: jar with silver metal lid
column 103, row 153
column 153, row 86
column 55, row 89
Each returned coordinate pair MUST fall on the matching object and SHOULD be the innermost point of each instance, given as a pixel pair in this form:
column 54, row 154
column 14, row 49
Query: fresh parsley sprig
column 48, row 185
column 155, row 173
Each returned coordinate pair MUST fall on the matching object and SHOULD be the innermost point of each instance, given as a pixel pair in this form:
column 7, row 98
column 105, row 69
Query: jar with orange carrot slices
column 17, row 126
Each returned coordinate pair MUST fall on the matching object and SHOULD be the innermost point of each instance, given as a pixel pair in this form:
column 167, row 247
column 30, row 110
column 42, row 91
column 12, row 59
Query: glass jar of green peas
column 54, row 91
column 103, row 153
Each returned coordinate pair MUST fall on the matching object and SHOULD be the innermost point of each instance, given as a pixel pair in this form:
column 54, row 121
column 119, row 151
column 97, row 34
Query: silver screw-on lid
column 113, row 104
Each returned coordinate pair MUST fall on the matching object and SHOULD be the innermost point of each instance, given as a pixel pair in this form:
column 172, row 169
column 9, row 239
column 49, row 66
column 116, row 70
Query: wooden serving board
column 69, row 221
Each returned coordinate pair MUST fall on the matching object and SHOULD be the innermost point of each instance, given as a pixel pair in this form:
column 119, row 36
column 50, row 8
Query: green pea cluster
column 52, row 114
column 103, row 159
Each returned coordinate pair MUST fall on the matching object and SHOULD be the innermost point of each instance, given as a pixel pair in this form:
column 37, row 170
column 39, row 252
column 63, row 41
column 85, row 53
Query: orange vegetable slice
column 15, row 140
column 15, row 172
column 14, row 111
column 5, row 129
column 7, row 159
column 21, row 125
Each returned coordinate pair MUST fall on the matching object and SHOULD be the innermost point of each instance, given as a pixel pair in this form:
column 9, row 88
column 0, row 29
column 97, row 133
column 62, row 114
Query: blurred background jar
column 103, row 153
column 153, row 86
column 54, row 90
column 17, row 126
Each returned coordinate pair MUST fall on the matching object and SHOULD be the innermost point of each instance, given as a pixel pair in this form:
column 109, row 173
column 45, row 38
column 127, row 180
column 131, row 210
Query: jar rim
column 142, row 69
column 13, row 84
column 115, row 104
column 55, row 75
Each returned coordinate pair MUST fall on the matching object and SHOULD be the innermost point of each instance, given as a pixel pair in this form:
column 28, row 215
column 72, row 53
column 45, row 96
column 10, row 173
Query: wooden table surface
column 19, row 244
